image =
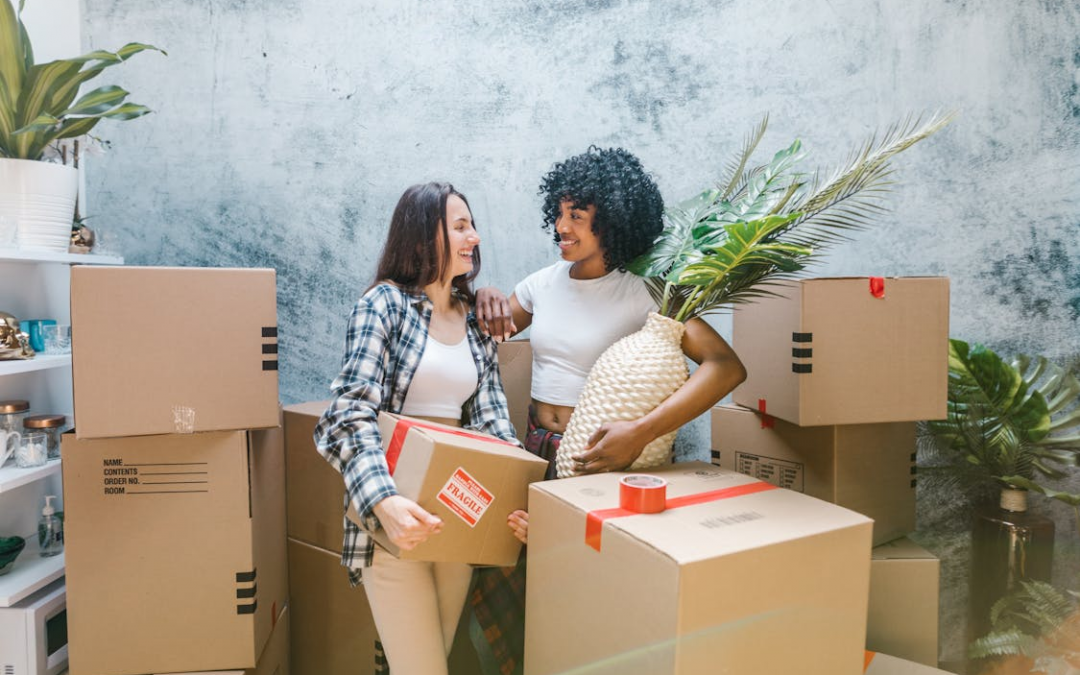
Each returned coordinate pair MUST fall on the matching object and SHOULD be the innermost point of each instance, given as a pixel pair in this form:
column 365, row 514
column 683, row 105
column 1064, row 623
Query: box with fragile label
column 472, row 481
column 160, row 350
column 315, row 491
column 733, row 571
column 869, row 468
column 846, row 350
column 903, row 616
column 178, row 542
column 883, row 664
column 515, row 371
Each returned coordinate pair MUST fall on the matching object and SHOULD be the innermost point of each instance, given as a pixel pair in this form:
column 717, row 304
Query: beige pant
column 416, row 606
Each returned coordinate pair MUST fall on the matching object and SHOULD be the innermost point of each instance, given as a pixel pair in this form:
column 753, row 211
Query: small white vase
column 39, row 199
column 627, row 382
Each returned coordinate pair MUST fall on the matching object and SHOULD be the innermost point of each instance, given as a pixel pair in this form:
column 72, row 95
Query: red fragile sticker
column 877, row 287
column 767, row 421
column 466, row 497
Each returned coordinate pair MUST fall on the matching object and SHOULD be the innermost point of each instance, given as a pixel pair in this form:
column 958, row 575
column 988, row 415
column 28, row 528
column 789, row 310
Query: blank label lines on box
column 120, row 478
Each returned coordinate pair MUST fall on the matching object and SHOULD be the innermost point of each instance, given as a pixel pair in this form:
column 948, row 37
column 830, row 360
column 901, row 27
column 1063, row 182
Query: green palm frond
column 717, row 234
column 1016, row 422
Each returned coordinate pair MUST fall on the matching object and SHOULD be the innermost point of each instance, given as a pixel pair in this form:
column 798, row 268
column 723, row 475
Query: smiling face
column 577, row 241
column 462, row 236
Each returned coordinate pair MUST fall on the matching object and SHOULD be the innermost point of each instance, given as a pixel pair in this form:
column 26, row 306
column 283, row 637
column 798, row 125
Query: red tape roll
column 641, row 493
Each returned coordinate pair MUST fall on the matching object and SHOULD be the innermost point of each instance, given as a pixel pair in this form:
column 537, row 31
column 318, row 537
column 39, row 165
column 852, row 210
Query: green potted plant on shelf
column 1010, row 428
column 40, row 106
column 760, row 225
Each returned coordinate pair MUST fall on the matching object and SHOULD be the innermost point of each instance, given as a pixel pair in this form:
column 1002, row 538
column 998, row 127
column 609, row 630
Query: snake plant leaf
column 12, row 52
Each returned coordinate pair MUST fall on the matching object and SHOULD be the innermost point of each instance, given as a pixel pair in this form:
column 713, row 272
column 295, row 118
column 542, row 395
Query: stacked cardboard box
column 174, row 477
column 839, row 370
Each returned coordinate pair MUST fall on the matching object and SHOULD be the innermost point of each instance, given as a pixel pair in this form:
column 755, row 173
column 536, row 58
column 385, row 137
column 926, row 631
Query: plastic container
column 52, row 426
column 12, row 414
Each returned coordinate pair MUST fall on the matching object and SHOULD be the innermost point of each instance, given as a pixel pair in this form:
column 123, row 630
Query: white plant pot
column 37, row 201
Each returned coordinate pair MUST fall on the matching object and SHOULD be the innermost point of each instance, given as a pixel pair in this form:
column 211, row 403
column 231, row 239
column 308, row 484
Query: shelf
column 12, row 477
column 39, row 362
column 30, row 573
column 19, row 255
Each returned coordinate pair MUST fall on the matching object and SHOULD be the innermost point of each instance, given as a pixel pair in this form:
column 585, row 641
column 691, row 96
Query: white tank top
column 444, row 379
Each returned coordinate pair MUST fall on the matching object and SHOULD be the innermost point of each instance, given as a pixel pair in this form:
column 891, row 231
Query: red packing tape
column 594, row 520
column 401, row 430
column 766, row 419
column 642, row 494
column 877, row 287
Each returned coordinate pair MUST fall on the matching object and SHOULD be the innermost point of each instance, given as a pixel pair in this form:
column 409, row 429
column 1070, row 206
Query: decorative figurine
column 14, row 344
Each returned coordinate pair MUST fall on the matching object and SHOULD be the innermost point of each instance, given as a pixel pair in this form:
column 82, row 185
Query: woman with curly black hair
column 605, row 210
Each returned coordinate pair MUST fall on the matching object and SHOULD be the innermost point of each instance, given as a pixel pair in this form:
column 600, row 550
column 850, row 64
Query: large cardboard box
column 515, row 371
column 903, row 615
column 315, row 491
column 332, row 629
column 472, row 481
column 883, row 664
column 869, row 468
column 175, row 550
column 274, row 659
column 734, row 572
column 830, row 351
column 159, row 350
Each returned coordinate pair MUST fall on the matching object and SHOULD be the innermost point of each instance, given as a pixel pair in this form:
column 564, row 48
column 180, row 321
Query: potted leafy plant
column 1036, row 629
column 39, row 105
column 1011, row 427
column 759, row 226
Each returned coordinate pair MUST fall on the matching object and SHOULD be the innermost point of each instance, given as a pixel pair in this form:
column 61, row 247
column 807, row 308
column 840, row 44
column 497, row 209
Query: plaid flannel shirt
column 387, row 333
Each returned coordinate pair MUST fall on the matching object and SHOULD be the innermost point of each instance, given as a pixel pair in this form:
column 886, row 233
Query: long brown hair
column 410, row 257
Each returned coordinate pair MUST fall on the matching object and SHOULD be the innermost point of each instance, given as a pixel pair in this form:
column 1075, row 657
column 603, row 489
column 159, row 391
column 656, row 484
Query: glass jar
column 33, row 450
column 52, row 426
column 12, row 414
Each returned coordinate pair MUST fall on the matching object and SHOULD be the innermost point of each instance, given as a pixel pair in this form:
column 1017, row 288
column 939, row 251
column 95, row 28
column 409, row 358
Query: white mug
column 9, row 440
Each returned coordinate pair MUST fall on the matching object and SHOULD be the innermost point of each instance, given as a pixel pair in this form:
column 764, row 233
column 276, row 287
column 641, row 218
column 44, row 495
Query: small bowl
column 10, row 548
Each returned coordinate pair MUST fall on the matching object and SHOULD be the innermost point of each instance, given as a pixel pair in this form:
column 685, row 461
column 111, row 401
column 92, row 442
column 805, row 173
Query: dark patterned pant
column 498, row 598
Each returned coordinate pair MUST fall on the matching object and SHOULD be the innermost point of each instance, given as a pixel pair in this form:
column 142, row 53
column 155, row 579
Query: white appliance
column 33, row 633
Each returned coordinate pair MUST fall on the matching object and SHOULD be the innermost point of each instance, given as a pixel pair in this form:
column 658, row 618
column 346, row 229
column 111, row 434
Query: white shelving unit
column 35, row 285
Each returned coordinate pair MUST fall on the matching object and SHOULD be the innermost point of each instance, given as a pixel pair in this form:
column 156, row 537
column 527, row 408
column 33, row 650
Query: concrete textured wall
column 285, row 130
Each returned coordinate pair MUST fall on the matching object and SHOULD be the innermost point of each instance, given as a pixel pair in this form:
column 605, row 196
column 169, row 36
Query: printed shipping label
column 778, row 472
column 467, row 498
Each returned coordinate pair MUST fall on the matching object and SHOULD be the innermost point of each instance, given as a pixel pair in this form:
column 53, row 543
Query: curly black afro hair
column 629, row 208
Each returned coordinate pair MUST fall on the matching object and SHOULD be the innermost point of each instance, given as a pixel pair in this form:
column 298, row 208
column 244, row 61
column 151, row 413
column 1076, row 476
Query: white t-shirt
column 574, row 321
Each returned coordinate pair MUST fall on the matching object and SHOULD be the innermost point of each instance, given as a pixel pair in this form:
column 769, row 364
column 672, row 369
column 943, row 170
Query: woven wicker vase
column 628, row 381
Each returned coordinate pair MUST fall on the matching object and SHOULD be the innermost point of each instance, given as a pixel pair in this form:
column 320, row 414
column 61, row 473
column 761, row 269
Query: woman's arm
column 487, row 410
column 499, row 316
column 616, row 445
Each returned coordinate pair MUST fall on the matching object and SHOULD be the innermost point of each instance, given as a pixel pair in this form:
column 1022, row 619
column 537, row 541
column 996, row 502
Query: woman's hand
column 519, row 525
column 405, row 522
column 494, row 313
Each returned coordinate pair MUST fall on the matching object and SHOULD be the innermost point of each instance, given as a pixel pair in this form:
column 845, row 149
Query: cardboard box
column 902, row 619
column 159, row 350
column 828, row 351
column 175, row 550
column 472, row 481
column 883, row 664
column 332, row 629
column 869, row 468
column 734, row 572
column 334, row 632
column 274, row 659
column 515, row 371
column 315, row 491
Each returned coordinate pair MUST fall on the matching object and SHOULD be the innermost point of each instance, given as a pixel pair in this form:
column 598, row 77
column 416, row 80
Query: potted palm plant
column 1010, row 427
column 760, row 225
column 40, row 105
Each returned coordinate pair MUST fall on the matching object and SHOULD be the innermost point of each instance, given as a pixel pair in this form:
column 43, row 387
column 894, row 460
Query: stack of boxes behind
column 839, row 371
column 174, row 476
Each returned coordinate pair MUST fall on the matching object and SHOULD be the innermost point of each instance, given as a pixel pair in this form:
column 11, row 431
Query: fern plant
column 1016, row 425
column 764, row 224
column 1034, row 622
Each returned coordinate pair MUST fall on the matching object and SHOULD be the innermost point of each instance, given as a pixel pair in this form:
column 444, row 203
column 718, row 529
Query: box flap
column 901, row 549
